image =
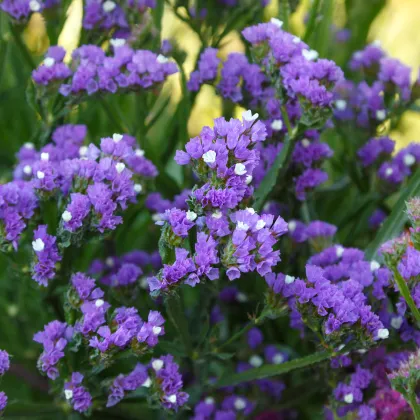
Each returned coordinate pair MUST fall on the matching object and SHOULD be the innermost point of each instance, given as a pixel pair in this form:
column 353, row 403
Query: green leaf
column 177, row 315
column 171, row 347
column 312, row 20
column 284, row 12
column 397, row 219
column 323, row 30
column 273, row 370
column 405, row 292
column 270, row 179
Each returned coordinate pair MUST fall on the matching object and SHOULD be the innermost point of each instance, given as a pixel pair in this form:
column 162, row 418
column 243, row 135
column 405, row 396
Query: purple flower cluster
column 365, row 389
column 232, row 407
column 386, row 81
column 4, row 367
column 21, row 10
column 52, row 69
column 17, row 205
column 126, row 269
column 92, row 71
column 54, row 338
column 302, row 74
column 339, row 304
column 126, row 325
column 207, row 69
column 78, row 396
column 161, row 375
column 109, row 15
column 47, row 256
column 223, row 159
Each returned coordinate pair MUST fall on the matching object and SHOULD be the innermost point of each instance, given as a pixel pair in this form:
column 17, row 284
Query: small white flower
column 138, row 188
column 260, row 224
column 256, row 361
column 156, row 330
column 66, row 216
column 108, row 6
column 278, row 359
column 239, row 403
column 276, row 22
column 380, row 114
column 109, row 262
column 191, row 216
column 139, row 152
column 147, row 383
column 277, row 125
column 242, row 226
column 99, row 303
column 389, row 171
column 248, row 179
column 306, row 143
column 374, row 265
column 241, row 297
column 310, row 55
column 396, row 322
column 117, row 137
column 240, row 169
column 29, row 146
column 68, row 393
column 83, row 151
column 49, row 62
column 162, row 59
column 339, row 251
column 289, row 279
column 209, row 400
column 348, row 398
column 172, row 398
column 157, row 218
column 296, row 40
column 217, row 214
column 40, row 175
column 341, row 104
column 38, row 245
column 409, row 159
column 45, row 156
column 34, row 6
column 117, row 42
column 383, row 333
column 291, row 225
column 209, row 156
column 157, row 364
column 250, row 210
column 248, row 116
column 361, row 351
column 376, row 43
column 120, row 167
column 27, row 169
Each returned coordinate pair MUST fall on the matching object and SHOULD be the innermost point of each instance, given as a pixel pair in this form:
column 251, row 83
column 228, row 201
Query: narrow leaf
column 396, row 220
column 405, row 292
column 273, row 370
column 270, row 179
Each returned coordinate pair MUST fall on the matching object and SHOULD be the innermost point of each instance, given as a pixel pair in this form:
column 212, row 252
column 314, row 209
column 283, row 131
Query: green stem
column 21, row 45
column 176, row 313
column 267, row 371
column 415, row 407
column 405, row 292
column 244, row 330
column 111, row 114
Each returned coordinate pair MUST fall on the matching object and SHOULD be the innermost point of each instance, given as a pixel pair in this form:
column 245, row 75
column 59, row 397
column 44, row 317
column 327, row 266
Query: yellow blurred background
column 396, row 27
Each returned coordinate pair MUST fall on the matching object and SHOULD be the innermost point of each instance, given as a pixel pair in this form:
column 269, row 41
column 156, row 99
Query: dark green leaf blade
column 273, row 370
column 396, row 220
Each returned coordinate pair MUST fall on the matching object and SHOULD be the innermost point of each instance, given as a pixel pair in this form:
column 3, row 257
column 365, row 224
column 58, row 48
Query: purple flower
column 54, row 339
column 4, row 362
column 47, row 255
column 310, row 179
column 78, row 396
column 207, row 69
column 52, row 68
column 3, row 400
column 20, row 10
column 318, row 228
column 152, row 329
column 409, row 266
column 76, row 212
column 254, row 337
